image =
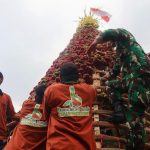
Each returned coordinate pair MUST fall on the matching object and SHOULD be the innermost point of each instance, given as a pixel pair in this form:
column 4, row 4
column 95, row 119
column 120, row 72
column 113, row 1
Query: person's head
column 39, row 93
column 69, row 73
column 1, row 78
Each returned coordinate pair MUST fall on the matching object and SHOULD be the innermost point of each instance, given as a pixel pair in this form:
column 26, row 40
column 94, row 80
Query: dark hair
column 1, row 75
column 1, row 92
column 39, row 90
column 69, row 73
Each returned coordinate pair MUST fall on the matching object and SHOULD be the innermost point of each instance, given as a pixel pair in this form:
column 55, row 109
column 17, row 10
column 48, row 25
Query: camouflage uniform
column 130, row 64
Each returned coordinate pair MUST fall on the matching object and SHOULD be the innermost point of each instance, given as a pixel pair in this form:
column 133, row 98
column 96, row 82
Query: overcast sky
column 34, row 32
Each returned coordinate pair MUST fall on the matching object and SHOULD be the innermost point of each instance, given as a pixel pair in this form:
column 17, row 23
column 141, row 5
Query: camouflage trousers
column 136, row 136
column 138, row 98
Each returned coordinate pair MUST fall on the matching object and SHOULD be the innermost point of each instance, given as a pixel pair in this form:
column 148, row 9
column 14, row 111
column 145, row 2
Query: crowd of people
column 59, row 117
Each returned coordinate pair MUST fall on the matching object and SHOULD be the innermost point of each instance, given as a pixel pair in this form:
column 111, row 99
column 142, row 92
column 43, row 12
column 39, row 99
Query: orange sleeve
column 47, row 98
column 22, row 109
column 17, row 116
column 10, row 109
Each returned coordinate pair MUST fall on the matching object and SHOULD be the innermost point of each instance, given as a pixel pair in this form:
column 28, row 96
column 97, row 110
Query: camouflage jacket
column 130, row 55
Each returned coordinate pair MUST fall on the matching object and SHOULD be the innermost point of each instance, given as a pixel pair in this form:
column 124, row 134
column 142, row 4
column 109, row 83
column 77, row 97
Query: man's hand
column 92, row 47
column 106, row 76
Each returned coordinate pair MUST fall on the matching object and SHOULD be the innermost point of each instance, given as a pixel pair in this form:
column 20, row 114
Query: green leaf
column 67, row 103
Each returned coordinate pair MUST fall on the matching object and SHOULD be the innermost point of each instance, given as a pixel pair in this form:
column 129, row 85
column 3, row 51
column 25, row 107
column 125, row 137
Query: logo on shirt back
column 73, row 106
column 33, row 119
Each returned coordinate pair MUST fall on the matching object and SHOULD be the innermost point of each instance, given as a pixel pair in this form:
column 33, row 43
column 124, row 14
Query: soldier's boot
column 136, row 136
column 140, row 145
column 140, row 136
column 130, row 140
column 118, row 115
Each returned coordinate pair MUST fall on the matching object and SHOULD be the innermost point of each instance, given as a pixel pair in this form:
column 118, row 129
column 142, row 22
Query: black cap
column 69, row 73
column 1, row 75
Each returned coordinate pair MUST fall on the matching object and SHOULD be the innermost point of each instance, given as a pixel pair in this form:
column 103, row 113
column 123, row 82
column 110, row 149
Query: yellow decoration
column 88, row 21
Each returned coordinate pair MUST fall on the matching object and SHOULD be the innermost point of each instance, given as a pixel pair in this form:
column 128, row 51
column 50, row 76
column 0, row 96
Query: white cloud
column 34, row 32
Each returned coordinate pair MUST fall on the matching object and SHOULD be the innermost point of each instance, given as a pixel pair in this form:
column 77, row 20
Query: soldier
column 132, row 65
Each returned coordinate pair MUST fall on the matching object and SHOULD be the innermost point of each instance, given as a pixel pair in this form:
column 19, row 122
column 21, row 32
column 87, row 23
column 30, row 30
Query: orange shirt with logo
column 6, row 114
column 68, row 109
column 30, row 133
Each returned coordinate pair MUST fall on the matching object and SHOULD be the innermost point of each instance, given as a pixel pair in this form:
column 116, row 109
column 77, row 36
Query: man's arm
column 110, row 35
column 115, row 71
column 140, row 55
column 119, row 34
column 10, row 109
column 107, row 35
column 47, row 97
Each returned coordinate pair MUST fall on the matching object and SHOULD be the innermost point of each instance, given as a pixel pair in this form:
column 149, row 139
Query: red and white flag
column 103, row 14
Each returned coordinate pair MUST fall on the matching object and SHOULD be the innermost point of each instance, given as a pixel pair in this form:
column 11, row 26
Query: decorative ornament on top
column 88, row 20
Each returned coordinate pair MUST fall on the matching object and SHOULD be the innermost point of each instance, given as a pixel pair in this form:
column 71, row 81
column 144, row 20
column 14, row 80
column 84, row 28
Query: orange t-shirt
column 6, row 114
column 68, row 109
column 30, row 133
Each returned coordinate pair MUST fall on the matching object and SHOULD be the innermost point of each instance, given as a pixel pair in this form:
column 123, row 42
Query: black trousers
column 1, row 144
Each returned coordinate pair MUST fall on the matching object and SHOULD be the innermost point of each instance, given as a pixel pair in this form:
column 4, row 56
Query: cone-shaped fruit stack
column 76, row 52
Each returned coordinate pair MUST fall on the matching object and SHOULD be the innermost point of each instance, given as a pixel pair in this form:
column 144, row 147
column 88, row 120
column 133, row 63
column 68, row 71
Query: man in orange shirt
column 68, row 109
column 6, row 113
column 30, row 133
